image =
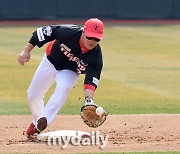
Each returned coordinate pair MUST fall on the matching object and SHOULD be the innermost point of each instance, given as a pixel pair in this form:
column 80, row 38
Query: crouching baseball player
column 71, row 51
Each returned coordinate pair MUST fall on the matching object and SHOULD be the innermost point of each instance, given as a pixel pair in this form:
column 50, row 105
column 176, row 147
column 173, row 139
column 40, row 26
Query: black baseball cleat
column 41, row 124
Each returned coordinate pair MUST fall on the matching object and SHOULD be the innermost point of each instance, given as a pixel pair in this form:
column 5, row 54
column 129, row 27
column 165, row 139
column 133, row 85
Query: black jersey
column 64, row 52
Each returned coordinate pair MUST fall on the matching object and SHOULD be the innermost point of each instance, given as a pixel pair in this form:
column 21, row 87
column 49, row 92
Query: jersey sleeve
column 93, row 73
column 49, row 33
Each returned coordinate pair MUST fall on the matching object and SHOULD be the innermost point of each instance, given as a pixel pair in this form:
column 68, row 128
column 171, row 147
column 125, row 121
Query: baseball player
column 71, row 51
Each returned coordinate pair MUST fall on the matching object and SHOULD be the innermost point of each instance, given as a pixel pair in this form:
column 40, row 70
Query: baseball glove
column 89, row 116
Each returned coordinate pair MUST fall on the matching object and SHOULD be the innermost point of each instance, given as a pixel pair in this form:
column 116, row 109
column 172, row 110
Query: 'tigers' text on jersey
column 66, row 51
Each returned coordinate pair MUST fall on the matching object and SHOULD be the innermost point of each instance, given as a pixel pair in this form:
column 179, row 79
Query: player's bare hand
column 24, row 57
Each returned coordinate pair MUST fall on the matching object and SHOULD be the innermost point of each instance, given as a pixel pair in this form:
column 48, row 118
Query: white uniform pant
column 43, row 79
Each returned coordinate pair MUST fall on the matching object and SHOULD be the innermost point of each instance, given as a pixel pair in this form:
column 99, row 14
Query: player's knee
column 32, row 97
column 63, row 88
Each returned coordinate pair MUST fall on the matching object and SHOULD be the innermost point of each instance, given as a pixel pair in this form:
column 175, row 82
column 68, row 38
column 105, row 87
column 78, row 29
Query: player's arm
column 92, row 77
column 41, row 36
column 92, row 114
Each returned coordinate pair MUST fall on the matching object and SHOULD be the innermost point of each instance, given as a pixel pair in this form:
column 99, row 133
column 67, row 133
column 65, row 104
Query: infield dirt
column 160, row 132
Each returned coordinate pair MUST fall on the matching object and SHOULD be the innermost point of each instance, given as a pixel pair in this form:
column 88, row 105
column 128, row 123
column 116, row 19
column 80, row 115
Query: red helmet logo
column 96, row 27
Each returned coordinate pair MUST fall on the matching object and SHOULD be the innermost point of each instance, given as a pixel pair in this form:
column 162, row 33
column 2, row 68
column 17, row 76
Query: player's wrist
column 28, row 48
column 89, row 102
column 88, row 97
column 25, row 51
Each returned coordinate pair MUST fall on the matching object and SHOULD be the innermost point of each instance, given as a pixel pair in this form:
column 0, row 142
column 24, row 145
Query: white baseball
column 99, row 111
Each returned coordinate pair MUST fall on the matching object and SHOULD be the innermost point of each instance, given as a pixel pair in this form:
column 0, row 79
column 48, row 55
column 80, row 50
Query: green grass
column 141, row 71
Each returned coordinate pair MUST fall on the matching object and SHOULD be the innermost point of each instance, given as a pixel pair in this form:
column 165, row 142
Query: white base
column 67, row 133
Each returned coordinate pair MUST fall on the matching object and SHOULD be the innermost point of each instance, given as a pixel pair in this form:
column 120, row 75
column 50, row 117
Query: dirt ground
column 126, row 133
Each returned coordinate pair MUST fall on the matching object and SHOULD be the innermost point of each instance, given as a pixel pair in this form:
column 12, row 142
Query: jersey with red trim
column 65, row 51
